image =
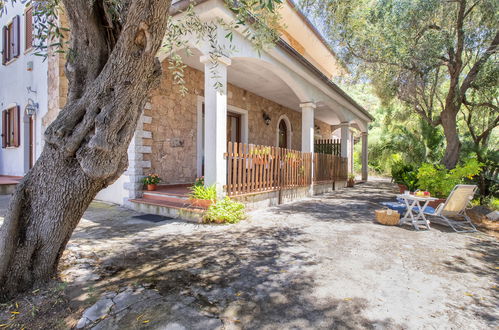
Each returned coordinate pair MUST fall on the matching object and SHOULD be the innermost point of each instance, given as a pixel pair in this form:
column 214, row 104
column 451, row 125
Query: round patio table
column 415, row 212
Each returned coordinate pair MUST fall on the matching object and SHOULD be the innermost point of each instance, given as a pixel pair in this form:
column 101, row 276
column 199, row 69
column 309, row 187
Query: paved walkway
column 318, row 263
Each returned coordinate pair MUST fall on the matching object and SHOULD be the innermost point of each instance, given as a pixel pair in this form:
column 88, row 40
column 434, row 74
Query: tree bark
column 86, row 146
column 453, row 147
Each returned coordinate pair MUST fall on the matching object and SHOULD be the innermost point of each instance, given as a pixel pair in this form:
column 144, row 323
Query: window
column 11, row 124
column 10, row 41
column 28, row 29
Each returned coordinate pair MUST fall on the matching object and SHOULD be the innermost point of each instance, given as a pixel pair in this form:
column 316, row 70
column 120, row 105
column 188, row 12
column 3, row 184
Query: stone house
column 283, row 97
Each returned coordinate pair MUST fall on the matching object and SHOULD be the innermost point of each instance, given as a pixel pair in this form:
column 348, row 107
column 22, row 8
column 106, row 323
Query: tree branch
column 473, row 73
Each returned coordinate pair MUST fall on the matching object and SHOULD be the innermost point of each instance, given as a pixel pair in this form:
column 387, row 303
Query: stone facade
column 174, row 125
column 57, row 81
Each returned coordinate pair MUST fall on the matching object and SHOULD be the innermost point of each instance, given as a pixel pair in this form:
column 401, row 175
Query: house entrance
column 283, row 134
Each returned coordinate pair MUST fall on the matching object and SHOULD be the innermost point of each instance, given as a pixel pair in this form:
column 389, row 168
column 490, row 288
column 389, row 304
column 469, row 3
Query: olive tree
column 429, row 54
column 111, row 67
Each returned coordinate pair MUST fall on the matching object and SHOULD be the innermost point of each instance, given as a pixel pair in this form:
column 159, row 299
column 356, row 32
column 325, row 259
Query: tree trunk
column 86, row 146
column 44, row 211
column 453, row 147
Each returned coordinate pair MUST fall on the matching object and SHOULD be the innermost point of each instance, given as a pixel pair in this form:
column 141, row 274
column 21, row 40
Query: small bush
column 202, row 192
column 439, row 181
column 406, row 174
column 199, row 181
column 225, row 211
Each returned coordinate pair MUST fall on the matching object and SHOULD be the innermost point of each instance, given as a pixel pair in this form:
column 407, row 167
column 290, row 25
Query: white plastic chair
column 455, row 206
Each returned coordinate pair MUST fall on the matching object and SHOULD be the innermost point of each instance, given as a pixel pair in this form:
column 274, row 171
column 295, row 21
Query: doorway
column 283, row 134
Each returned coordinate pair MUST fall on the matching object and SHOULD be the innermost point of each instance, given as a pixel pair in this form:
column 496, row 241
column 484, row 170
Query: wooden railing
column 255, row 168
column 329, row 168
column 328, row 146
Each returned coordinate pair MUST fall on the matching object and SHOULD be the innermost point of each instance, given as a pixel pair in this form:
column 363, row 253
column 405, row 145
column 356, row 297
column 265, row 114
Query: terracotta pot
column 350, row 183
column 151, row 187
column 402, row 188
column 204, row 203
column 437, row 202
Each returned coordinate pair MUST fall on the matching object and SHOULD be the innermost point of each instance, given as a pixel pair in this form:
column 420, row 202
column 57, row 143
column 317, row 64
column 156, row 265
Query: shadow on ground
column 486, row 251
column 247, row 279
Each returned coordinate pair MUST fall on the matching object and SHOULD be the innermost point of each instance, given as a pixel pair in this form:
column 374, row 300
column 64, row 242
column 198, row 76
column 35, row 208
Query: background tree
column 429, row 54
column 111, row 67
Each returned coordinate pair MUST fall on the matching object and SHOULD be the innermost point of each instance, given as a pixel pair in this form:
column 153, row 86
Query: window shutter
column 16, row 37
column 28, row 17
column 17, row 126
column 5, row 46
column 4, row 129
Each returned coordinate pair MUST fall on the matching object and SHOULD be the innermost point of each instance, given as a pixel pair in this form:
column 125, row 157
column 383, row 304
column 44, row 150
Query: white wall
column 14, row 80
column 115, row 193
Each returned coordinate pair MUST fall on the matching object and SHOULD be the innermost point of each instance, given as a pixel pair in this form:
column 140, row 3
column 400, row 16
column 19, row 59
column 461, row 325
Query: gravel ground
column 318, row 263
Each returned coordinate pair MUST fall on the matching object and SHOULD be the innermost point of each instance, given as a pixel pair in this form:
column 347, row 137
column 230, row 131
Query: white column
column 345, row 139
column 365, row 168
column 215, row 121
column 307, row 134
column 307, row 126
column 351, row 152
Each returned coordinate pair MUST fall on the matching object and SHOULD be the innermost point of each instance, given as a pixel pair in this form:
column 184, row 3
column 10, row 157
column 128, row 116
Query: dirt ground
column 320, row 263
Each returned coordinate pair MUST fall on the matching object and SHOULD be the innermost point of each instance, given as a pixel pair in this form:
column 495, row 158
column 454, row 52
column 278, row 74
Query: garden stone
column 494, row 215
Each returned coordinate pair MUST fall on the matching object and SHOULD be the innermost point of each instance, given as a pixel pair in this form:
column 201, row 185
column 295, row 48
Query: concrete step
column 168, row 207
column 162, row 195
column 8, row 184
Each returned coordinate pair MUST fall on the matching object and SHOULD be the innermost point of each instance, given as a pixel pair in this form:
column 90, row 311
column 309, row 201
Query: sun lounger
column 455, row 207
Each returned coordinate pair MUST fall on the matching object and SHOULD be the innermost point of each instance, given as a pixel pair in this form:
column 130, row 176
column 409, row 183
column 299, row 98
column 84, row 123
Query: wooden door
column 283, row 134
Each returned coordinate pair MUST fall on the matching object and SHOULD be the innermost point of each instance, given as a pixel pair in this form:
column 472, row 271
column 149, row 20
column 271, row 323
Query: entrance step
column 169, row 208
column 8, row 184
column 169, row 200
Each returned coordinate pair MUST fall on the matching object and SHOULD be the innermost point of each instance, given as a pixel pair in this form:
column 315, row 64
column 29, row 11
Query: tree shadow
column 248, row 278
column 108, row 221
column 351, row 205
column 480, row 257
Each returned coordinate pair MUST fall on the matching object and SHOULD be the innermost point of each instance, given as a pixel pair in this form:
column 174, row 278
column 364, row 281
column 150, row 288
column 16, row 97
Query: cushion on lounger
column 399, row 207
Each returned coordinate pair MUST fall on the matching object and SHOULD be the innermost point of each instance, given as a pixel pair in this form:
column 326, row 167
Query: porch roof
column 181, row 5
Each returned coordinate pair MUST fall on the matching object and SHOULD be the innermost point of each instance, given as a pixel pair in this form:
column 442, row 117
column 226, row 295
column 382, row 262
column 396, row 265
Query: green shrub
column 406, row 174
column 202, row 192
column 439, row 181
column 225, row 211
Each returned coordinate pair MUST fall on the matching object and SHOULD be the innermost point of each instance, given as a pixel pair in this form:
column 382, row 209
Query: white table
column 415, row 211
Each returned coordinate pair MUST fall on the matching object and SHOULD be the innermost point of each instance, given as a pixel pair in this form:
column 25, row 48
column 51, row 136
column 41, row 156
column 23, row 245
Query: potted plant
column 151, row 181
column 351, row 180
column 202, row 196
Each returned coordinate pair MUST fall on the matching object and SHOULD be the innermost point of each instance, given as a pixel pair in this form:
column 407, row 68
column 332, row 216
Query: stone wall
column 173, row 128
column 174, row 124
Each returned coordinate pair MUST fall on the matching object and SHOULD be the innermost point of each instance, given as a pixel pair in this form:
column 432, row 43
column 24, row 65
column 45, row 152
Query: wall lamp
column 266, row 118
column 31, row 108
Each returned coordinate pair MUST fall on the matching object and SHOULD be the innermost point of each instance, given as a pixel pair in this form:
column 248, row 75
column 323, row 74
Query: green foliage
column 439, row 181
column 406, row 174
column 225, row 211
column 411, row 53
column 199, row 181
column 202, row 192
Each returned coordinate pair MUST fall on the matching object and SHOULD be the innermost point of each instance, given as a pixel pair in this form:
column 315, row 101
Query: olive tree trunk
column 453, row 144
column 111, row 67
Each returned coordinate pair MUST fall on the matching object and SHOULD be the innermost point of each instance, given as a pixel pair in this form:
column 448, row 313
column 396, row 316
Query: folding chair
column 455, row 207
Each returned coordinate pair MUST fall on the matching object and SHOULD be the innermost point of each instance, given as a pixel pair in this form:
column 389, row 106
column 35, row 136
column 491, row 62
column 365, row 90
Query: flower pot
column 151, row 187
column 203, row 203
column 350, row 183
